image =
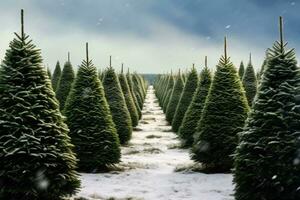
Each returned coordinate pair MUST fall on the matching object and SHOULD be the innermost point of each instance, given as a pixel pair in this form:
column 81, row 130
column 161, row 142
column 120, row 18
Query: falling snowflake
column 228, row 26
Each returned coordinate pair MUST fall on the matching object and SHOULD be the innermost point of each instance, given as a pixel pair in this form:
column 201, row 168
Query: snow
column 150, row 160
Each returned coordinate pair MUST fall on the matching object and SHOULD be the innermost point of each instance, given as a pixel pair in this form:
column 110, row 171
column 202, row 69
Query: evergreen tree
column 267, row 157
column 128, row 98
column 56, row 76
column 222, row 118
column 49, row 73
column 185, row 98
column 168, row 92
column 174, row 98
column 130, row 84
column 65, row 83
column 36, row 155
column 194, row 111
column 250, row 82
column 117, row 105
column 241, row 70
column 91, row 126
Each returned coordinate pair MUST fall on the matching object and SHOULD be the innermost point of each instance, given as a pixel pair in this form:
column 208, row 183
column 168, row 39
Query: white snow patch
column 154, row 178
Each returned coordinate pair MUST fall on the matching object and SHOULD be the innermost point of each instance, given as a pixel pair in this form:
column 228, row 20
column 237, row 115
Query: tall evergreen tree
column 241, row 70
column 128, row 99
column 117, row 105
column 194, row 111
column 36, row 155
column 267, row 159
column 222, row 118
column 65, row 83
column 250, row 82
column 185, row 98
column 168, row 93
column 91, row 126
column 174, row 98
column 56, row 76
column 130, row 84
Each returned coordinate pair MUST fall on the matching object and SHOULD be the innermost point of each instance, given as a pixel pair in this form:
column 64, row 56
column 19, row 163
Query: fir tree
column 222, row 118
column 91, row 126
column 65, row 83
column 185, row 98
column 168, row 92
column 36, row 155
column 130, row 84
column 194, row 111
column 250, row 82
column 56, row 76
column 117, row 105
column 267, row 158
column 174, row 98
column 128, row 98
column 241, row 70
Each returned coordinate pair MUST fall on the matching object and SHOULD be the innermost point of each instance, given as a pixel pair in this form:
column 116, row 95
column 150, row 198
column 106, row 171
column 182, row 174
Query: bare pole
column 250, row 58
column 281, row 31
column 193, row 65
column 68, row 56
column 109, row 61
column 205, row 61
column 225, row 48
column 122, row 68
column 22, row 23
column 87, row 52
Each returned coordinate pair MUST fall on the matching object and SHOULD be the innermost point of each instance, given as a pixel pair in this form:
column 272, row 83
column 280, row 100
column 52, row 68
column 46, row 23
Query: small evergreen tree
column 267, row 157
column 91, row 126
column 56, row 76
column 250, row 82
column 222, row 118
column 241, row 70
column 185, row 98
column 174, row 98
column 36, row 155
column 65, row 83
column 117, row 105
column 194, row 111
column 128, row 99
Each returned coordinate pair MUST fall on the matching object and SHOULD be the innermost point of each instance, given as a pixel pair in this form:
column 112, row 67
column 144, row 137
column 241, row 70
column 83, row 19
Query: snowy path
column 149, row 161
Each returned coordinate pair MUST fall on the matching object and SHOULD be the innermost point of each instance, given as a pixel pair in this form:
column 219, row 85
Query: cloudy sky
column 151, row 36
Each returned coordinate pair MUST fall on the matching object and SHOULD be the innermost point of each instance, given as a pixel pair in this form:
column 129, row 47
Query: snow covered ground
column 149, row 162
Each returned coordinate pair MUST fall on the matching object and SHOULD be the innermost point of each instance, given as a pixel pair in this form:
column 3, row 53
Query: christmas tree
column 56, row 76
column 117, row 105
column 194, row 111
column 91, row 126
column 36, row 155
column 249, row 82
column 267, row 158
column 241, row 70
column 185, row 98
column 65, row 83
column 223, row 116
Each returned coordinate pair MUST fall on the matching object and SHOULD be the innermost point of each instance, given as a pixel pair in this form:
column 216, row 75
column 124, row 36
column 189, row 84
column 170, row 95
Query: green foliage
column 130, row 84
column 250, row 83
column 49, row 73
column 222, row 118
column 168, row 92
column 185, row 98
column 36, row 155
column 65, row 84
column 241, row 70
column 194, row 111
column 91, row 126
column 174, row 98
column 129, row 100
column 117, row 105
column 267, row 158
column 56, row 76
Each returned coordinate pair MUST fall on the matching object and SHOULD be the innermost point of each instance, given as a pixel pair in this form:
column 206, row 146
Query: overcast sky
column 151, row 36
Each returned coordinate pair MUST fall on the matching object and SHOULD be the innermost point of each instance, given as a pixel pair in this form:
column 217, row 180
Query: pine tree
column 130, row 84
column 250, row 82
column 267, row 158
column 129, row 99
column 91, row 126
column 117, row 105
column 241, row 70
column 168, row 92
column 36, row 155
column 185, row 98
column 222, row 118
column 56, row 76
column 65, row 83
column 174, row 98
column 194, row 111
column 49, row 73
